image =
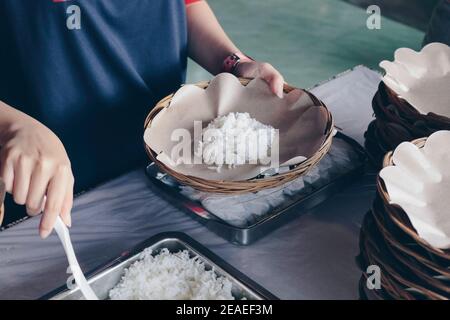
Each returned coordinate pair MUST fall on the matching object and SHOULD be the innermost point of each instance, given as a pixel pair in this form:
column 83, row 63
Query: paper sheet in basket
column 301, row 124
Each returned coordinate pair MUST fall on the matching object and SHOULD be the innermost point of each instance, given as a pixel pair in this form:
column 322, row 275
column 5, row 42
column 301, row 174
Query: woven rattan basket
column 397, row 121
column 252, row 185
column 411, row 268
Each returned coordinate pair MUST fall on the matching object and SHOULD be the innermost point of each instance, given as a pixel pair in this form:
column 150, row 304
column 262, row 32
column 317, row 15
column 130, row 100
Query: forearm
column 208, row 43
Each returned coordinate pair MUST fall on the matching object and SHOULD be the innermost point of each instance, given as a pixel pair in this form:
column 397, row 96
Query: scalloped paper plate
column 421, row 78
column 420, row 184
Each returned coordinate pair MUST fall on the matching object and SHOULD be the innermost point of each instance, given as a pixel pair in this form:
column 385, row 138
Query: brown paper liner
column 251, row 185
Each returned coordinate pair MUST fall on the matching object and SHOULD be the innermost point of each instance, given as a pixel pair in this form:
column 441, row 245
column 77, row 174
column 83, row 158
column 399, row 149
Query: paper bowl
column 421, row 78
column 246, row 185
column 413, row 205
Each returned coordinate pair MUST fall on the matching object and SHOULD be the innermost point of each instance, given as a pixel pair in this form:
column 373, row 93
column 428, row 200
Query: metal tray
column 104, row 278
column 249, row 234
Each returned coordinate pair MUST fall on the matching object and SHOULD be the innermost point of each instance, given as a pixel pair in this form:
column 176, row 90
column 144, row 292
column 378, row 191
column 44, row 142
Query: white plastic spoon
column 64, row 236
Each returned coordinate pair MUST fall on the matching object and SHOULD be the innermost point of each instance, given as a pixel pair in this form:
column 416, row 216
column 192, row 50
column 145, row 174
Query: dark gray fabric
column 313, row 257
column 439, row 28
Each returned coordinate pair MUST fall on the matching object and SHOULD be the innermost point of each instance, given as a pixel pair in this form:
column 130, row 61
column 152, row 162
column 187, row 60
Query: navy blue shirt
column 91, row 70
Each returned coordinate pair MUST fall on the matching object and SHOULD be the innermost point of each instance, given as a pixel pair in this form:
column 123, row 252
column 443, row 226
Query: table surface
column 312, row 257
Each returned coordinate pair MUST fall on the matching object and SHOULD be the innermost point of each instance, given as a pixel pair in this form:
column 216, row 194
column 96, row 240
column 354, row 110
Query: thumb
column 274, row 79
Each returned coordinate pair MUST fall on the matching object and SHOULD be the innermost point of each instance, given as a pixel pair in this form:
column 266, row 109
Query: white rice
column 235, row 139
column 170, row 276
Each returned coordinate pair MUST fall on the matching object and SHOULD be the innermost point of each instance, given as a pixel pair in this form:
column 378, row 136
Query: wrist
column 12, row 121
column 7, row 130
column 233, row 60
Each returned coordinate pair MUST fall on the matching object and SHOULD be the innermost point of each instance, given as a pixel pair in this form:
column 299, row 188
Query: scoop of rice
column 170, row 276
column 235, row 139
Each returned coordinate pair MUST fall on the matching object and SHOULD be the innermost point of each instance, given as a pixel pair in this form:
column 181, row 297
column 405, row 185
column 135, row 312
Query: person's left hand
column 264, row 70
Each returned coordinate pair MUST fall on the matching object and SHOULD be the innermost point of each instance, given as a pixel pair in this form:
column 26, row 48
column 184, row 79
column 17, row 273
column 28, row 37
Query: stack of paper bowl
column 249, row 185
column 397, row 121
column 411, row 269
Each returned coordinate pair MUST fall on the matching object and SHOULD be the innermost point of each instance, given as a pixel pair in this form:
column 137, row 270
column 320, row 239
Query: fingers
column 38, row 187
column 22, row 176
column 37, row 172
column 265, row 71
column 56, row 194
column 33, row 182
column 277, row 84
column 273, row 78
column 7, row 170
column 67, row 204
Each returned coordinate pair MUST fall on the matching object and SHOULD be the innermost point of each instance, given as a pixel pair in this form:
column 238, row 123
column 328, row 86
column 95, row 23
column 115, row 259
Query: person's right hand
column 36, row 170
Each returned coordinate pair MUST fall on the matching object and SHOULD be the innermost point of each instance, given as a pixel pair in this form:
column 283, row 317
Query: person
column 439, row 26
column 77, row 78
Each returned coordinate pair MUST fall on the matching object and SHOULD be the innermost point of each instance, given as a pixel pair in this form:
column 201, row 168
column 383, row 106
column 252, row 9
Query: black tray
column 249, row 234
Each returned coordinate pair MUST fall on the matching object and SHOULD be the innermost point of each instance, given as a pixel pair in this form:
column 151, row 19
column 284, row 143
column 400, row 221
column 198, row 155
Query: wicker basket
column 252, row 185
column 411, row 268
column 397, row 121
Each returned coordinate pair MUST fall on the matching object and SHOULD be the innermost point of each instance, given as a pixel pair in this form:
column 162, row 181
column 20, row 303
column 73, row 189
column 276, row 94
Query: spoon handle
column 64, row 236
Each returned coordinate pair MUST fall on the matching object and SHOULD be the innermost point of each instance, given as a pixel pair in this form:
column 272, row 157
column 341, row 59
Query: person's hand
column 264, row 70
column 36, row 170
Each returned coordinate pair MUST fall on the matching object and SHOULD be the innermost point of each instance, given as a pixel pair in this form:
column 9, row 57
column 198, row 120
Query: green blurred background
column 311, row 40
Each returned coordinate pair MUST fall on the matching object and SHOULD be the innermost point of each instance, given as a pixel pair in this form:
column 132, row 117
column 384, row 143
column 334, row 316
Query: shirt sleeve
column 188, row 2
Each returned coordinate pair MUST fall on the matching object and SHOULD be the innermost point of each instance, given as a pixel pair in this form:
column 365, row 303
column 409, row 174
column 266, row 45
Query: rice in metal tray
column 171, row 276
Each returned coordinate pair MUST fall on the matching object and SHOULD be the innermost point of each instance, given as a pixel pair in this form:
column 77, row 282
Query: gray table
column 313, row 257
